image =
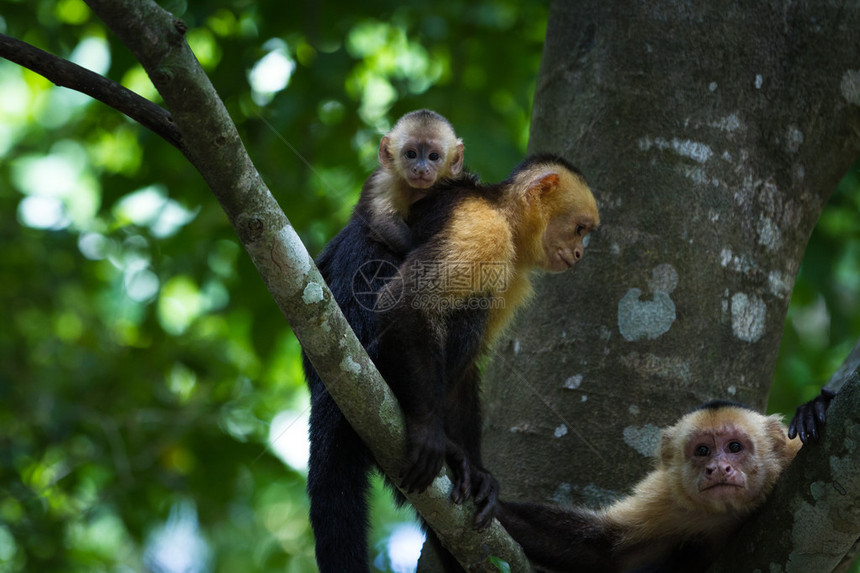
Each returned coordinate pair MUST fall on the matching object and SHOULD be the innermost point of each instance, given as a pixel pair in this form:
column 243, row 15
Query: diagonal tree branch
column 69, row 75
column 211, row 143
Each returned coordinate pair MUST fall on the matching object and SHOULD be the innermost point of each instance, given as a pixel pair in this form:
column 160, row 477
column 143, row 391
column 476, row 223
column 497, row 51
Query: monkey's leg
column 463, row 424
column 337, row 485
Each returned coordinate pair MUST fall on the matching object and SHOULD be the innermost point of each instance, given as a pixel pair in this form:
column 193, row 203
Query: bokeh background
column 152, row 406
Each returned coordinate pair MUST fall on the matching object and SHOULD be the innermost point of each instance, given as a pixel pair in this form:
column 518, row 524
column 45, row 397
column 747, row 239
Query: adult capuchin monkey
column 475, row 245
column 715, row 466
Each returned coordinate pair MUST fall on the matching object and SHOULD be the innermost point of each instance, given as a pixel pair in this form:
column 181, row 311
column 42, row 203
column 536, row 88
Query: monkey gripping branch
column 211, row 143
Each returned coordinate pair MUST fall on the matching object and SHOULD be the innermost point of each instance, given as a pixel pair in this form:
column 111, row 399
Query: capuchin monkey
column 476, row 245
column 419, row 152
column 426, row 336
column 355, row 264
column 715, row 467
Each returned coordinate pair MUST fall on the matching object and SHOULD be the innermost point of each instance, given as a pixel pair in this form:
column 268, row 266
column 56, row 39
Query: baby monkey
column 716, row 465
column 420, row 151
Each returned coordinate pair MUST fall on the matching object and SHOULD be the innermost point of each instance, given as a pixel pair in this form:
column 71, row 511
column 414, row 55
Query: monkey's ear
column 666, row 448
column 385, row 157
column 775, row 434
column 543, row 184
column 457, row 161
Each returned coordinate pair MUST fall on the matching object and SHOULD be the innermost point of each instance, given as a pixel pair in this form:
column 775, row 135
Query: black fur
column 560, row 539
column 389, row 229
column 717, row 404
column 575, row 539
column 340, row 463
column 434, row 371
column 356, row 264
column 537, row 158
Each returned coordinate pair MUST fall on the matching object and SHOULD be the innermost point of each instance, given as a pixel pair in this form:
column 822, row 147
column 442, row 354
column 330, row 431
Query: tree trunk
column 712, row 134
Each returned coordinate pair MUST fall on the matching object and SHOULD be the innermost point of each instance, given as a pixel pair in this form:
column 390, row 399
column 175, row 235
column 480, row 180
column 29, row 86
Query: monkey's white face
column 564, row 241
column 720, row 461
column 564, row 204
column 422, row 161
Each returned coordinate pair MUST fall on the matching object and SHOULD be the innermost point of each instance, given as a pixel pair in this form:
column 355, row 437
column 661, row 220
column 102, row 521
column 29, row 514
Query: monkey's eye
column 579, row 230
column 434, row 156
column 735, row 447
column 411, row 154
column 702, row 451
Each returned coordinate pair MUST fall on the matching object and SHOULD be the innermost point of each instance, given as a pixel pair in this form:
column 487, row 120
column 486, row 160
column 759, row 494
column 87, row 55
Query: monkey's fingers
column 803, row 425
column 456, row 459
column 410, row 477
column 422, row 472
column 487, row 487
column 413, row 480
column 820, row 413
column 486, row 492
column 488, row 510
column 425, row 478
column 810, row 417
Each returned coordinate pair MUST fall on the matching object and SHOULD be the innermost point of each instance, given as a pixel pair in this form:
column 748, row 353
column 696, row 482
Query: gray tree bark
column 712, row 134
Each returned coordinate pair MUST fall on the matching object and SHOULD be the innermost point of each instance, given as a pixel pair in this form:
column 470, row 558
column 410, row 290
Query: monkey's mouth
column 719, row 486
column 564, row 259
column 420, row 182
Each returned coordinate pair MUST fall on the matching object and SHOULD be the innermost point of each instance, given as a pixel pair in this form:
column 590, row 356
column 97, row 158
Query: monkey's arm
column 412, row 360
column 393, row 232
column 414, row 347
column 463, row 426
column 564, row 539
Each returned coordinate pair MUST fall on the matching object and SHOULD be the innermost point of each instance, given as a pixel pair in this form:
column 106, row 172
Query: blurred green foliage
column 148, row 392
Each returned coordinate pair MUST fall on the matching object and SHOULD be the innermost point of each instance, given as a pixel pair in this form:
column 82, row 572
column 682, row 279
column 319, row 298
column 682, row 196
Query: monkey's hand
column 397, row 240
column 427, row 448
column 485, row 489
column 471, row 480
column 459, row 464
column 809, row 418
